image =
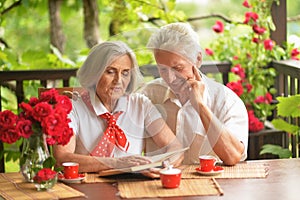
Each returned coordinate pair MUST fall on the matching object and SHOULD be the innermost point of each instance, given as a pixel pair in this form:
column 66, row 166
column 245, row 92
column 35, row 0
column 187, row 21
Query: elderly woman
column 109, row 121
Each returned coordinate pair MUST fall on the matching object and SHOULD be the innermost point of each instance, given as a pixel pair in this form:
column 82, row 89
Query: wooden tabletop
column 281, row 183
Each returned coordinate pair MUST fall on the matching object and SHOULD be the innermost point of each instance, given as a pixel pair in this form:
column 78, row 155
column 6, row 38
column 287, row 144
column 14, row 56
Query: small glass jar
column 46, row 185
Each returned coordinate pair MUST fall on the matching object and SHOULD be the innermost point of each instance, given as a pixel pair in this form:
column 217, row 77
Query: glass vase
column 46, row 185
column 34, row 153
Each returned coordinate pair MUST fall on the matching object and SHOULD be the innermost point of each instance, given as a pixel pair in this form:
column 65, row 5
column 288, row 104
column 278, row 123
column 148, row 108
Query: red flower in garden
column 249, row 87
column 49, row 113
column 246, row 4
column 257, row 29
column 44, row 175
column 235, row 58
column 268, row 44
column 294, row 53
column 236, row 87
column 238, row 70
column 218, row 27
column 209, row 51
column 250, row 16
column 254, row 123
column 255, row 40
column 267, row 99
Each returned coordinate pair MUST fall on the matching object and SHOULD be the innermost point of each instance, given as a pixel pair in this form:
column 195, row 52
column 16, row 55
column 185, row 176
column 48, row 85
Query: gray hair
column 101, row 56
column 178, row 38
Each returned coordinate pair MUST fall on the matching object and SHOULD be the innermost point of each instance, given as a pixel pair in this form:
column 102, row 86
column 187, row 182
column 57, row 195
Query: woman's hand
column 123, row 162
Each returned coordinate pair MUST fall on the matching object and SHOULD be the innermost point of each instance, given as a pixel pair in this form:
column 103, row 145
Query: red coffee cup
column 207, row 163
column 170, row 177
column 70, row 170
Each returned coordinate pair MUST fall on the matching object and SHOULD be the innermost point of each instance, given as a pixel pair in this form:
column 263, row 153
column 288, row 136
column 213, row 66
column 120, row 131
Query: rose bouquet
column 41, row 123
column 247, row 45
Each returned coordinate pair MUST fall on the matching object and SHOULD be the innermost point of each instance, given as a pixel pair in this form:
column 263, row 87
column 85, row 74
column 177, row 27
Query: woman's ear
column 199, row 60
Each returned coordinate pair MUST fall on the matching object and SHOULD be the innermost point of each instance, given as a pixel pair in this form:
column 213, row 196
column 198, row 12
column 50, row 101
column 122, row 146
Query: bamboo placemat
column 153, row 188
column 240, row 170
column 13, row 186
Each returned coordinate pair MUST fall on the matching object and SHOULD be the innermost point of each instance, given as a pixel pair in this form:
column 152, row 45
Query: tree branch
column 294, row 18
column 15, row 4
column 213, row 15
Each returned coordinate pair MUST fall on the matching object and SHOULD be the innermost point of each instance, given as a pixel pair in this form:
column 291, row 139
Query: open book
column 156, row 162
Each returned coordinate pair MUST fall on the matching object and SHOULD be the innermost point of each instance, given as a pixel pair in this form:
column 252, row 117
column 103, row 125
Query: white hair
column 177, row 37
column 101, row 56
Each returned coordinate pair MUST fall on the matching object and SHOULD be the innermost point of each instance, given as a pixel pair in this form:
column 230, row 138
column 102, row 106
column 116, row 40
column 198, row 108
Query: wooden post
column 279, row 15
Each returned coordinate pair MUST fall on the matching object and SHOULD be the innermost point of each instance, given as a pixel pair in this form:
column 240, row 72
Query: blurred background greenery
column 26, row 27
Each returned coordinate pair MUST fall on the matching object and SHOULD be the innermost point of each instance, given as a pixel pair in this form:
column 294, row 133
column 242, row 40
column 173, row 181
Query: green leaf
column 280, row 124
column 275, row 150
column 49, row 162
column 289, row 106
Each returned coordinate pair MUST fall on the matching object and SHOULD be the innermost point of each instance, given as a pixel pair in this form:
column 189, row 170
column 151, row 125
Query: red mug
column 170, row 177
column 70, row 170
column 207, row 163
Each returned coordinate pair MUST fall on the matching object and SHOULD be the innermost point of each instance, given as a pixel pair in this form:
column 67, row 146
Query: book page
column 156, row 162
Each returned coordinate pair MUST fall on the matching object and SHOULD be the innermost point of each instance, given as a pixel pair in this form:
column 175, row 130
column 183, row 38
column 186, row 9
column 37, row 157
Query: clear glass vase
column 46, row 185
column 34, row 153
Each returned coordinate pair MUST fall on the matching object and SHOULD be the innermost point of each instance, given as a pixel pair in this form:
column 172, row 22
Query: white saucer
column 217, row 170
column 73, row 180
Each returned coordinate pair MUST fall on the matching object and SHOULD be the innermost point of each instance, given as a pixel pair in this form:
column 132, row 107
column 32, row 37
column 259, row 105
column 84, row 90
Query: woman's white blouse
column 138, row 114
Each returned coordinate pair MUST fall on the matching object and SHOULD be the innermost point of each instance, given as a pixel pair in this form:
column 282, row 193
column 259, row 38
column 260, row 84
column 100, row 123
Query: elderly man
column 205, row 115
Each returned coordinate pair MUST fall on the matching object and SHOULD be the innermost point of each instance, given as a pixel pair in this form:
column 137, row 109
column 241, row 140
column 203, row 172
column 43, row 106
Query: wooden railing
column 287, row 83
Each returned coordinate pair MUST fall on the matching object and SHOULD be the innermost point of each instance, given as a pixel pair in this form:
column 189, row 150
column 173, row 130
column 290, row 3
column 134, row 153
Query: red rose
column 254, row 124
column 257, row 29
column 64, row 102
column 27, row 110
column 259, row 99
column 42, row 110
column 249, row 87
column 268, row 98
column 295, row 52
column 255, row 40
column 238, row 70
column 49, row 96
column 24, row 128
column 268, row 44
column 44, row 175
column 209, row 51
column 33, row 101
column 236, row 87
column 9, row 135
column 250, row 16
column 246, row 4
column 7, row 119
column 218, row 27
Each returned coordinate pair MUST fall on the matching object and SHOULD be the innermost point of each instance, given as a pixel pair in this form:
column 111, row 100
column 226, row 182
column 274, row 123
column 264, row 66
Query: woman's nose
column 170, row 75
column 117, row 77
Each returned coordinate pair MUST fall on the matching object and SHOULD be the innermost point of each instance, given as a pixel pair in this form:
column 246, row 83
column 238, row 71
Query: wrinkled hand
column 197, row 89
column 151, row 173
column 130, row 161
column 124, row 162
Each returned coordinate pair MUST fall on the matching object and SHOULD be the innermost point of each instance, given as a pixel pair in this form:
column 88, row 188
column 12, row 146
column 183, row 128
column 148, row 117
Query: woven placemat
column 153, row 188
column 240, row 170
column 12, row 186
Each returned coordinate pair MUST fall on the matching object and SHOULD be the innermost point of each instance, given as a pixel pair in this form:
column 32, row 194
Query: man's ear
column 199, row 60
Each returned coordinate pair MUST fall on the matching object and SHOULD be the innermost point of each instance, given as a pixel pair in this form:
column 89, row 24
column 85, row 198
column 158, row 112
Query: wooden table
column 283, row 182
